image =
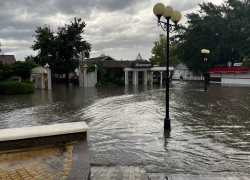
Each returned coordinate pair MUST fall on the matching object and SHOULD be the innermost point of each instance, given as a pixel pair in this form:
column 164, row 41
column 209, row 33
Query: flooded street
column 210, row 130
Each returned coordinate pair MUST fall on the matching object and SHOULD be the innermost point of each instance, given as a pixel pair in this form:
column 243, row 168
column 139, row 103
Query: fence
column 189, row 78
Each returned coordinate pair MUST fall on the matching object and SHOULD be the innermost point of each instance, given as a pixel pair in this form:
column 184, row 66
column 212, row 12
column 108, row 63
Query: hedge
column 98, row 84
column 15, row 87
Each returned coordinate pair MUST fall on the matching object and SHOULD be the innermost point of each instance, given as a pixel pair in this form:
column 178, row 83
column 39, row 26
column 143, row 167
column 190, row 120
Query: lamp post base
column 167, row 124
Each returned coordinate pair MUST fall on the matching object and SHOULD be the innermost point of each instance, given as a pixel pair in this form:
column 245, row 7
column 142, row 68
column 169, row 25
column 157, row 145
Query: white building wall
column 215, row 75
column 235, row 81
column 233, row 78
column 227, row 75
column 243, row 75
column 39, row 81
column 186, row 74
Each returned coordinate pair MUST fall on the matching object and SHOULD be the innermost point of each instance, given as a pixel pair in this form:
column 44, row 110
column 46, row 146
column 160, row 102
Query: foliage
column 20, row 68
column 0, row 48
column 91, row 68
column 30, row 58
column 23, row 69
column 222, row 29
column 98, row 84
column 112, row 74
column 119, row 82
column 5, row 71
column 159, row 52
column 100, row 71
column 110, row 83
column 246, row 63
column 61, row 50
column 15, row 87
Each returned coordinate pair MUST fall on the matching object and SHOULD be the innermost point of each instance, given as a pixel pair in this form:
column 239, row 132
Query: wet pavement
column 118, row 173
column 209, row 137
column 52, row 161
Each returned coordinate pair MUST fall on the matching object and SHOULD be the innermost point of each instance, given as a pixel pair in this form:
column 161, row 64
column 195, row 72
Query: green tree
column 23, row 68
column 29, row 58
column 222, row 29
column 61, row 50
column 5, row 71
column 159, row 52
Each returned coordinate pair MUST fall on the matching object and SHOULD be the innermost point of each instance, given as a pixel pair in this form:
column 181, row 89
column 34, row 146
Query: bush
column 110, row 83
column 119, row 82
column 14, row 87
column 29, row 82
column 103, row 82
column 98, row 84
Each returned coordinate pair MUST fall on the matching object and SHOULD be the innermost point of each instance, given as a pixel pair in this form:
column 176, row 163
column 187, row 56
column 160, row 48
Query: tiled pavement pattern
column 118, row 173
column 53, row 161
column 160, row 176
column 207, row 178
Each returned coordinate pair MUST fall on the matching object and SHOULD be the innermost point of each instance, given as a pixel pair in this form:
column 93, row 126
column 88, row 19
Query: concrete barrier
column 40, row 135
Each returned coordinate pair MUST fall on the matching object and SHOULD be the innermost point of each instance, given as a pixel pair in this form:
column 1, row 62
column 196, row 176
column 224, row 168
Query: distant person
column 181, row 78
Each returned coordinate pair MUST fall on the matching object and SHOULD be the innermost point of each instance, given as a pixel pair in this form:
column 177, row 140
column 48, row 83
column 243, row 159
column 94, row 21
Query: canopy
column 229, row 70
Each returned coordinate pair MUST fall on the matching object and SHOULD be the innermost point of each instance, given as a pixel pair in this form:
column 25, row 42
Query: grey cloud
column 185, row 5
column 124, row 29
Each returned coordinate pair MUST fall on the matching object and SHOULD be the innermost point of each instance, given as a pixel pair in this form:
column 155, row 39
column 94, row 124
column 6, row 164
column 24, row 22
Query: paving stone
column 47, row 161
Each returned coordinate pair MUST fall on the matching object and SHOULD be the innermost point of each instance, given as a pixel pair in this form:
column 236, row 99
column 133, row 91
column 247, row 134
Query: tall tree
column 223, row 29
column 61, row 50
column 159, row 52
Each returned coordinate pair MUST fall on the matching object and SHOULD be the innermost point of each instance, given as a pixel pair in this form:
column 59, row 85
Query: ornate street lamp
column 205, row 52
column 175, row 16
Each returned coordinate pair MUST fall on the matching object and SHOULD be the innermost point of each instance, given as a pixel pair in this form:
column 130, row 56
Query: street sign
column 229, row 64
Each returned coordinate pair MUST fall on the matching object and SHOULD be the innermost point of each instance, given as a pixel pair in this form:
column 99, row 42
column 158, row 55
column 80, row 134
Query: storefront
column 234, row 75
column 136, row 72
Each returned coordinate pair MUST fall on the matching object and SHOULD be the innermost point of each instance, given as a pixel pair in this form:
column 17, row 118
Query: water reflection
column 166, row 134
column 210, row 130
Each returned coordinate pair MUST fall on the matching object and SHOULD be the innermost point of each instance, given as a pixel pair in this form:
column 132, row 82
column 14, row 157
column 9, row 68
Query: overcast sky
column 119, row 28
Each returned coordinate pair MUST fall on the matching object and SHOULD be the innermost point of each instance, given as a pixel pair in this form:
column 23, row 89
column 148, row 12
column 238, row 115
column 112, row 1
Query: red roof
column 8, row 59
column 229, row 70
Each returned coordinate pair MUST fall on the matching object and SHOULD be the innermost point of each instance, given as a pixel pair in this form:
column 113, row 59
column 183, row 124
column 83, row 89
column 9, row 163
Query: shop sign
column 142, row 65
column 237, row 64
column 220, row 65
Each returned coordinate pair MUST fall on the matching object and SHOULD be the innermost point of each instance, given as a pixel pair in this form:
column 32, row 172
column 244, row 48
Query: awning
column 229, row 70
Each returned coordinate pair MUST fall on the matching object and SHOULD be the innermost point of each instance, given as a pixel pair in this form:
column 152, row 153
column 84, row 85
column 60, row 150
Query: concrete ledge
column 42, row 131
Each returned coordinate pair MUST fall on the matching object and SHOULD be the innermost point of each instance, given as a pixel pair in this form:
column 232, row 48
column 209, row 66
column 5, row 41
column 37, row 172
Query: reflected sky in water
column 210, row 130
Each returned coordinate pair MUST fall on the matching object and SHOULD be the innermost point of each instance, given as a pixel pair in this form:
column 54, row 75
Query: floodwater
column 210, row 132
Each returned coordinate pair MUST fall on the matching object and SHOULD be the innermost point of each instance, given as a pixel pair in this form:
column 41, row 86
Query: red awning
column 229, row 70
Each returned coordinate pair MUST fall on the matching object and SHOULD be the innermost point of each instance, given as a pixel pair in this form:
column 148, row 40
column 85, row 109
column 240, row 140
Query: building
column 182, row 70
column 139, row 71
column 8, row 59
column 233, row 75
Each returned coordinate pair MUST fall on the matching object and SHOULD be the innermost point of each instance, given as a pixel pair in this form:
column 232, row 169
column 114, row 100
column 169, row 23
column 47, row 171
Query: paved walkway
column 118, row 173
column 55, row 161
column 160, row 176
column 207, row 178
column 138, row 173
column 70, row 160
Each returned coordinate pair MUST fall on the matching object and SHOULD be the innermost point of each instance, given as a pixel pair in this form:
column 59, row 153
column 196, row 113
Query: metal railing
column 190, row 78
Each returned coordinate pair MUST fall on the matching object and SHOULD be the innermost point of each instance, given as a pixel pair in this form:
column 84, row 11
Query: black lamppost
column 205, row 52
column 175, row 16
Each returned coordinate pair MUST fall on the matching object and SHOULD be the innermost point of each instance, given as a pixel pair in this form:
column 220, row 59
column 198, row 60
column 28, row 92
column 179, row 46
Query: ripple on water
column 209, row 136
